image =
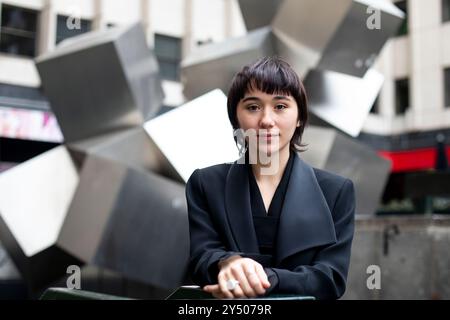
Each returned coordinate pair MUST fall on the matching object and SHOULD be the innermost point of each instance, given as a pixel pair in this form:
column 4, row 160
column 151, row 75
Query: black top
column 266, row 223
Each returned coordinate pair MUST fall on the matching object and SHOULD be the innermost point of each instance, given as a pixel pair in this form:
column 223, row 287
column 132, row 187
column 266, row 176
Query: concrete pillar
column 228, row 19
column 147, row 21
column 98, row 22
column 187, row 39
column 426, row 80
column 47, row 28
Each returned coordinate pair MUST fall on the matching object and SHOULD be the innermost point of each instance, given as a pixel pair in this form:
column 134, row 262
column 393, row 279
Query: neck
column 282, row 159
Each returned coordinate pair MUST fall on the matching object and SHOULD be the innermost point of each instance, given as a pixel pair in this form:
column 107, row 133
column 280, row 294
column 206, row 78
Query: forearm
column 206, row 268
column 319, row 281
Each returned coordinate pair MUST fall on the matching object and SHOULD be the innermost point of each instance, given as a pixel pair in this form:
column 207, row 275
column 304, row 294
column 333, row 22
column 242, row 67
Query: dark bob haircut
column 271, row 75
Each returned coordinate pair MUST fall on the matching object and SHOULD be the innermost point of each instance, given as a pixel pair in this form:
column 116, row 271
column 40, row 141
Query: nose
column 267, row 119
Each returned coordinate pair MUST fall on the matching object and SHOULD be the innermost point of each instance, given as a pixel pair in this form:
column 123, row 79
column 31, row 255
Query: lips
column 268, row 135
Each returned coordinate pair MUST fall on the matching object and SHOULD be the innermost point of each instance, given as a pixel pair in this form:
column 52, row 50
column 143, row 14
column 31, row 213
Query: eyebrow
column 274, row 98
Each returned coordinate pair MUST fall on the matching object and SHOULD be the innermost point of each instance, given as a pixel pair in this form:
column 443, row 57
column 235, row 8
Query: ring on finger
column 232, row 284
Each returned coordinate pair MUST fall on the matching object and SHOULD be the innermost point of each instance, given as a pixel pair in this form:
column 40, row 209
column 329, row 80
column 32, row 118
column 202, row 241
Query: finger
column 222, row 277
column 211, row 287
column 263, row 276
column 253, row 279
column 239, row 274
column 238, row 293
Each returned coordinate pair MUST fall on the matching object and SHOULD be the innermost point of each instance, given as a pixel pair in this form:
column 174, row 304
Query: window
column 18, row 31
column 447, row 87
column 67, row 28
column 403, row 30
column 401, row 96
column 375, row 106
column 168, row 53
column 445, row 10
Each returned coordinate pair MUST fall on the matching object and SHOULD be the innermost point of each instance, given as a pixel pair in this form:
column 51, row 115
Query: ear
column 298, row 123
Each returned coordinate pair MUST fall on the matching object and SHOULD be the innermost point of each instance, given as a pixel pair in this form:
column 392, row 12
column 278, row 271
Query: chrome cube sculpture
column 35, row 198
column 333, row 151
column 316, row 37
column 112, row 72
column 107, row 197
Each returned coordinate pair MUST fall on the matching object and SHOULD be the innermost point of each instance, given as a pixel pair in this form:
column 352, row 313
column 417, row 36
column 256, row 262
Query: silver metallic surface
column 101, row 81
column 332, row 45
column 131, row 147
column 333, row 151
column 213, row 66
column 334, row 35
column 130, row 221
column 257, row 13
column 35, row 196
column 341, row 100
column 195, row 135
column 102, row 86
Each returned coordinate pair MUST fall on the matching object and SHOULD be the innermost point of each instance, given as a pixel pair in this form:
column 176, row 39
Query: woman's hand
column 250, row 274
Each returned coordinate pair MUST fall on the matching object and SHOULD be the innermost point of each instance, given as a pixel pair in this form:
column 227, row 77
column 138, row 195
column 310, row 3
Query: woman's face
column 273, row 118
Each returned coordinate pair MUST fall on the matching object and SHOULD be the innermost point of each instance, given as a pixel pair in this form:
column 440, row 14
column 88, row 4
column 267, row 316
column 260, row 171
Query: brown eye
column 252, row 107
column 280, row 107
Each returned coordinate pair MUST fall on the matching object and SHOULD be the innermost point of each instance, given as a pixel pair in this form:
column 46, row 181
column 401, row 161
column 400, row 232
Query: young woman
column 274, row 224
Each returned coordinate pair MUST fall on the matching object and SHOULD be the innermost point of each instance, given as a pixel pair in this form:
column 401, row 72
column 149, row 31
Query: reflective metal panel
column 335, row 35
column 130, row 221
column 101, row 82
column 195, row 135
column 333, row 151
column 131, row 147
column 341, row 100
column 35, row 196
column 213, row 65
column 257, row 13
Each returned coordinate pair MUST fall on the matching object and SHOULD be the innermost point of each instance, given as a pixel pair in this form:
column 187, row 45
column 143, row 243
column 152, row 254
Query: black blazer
column 315, row 230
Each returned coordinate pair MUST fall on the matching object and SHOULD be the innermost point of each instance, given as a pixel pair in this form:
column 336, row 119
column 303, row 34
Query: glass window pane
column 445, row 10
column 401, row 95
column 17, row 45
column 64, row 31
column 169, row 70
column 18, row 31
column 168, row 53
column 19, row 18
column 168, row 47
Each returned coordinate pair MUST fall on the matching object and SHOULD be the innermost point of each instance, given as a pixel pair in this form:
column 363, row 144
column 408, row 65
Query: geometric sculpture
column 35, row 197
column 195, row 135
column 323, row 40
column 127, row 220
column 130, row 147
column 330, row 150
column 105, row 198
column 342, row 100
column 213, row 65
column 333, row 35
column 106, row 86
column 266, row 11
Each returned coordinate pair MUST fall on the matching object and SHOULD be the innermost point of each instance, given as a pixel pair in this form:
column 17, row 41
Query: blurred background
column 409, row 124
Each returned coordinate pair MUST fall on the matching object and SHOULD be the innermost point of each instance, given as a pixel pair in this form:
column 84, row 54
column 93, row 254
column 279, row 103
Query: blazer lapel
column 238, row 208
column 305, row 219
